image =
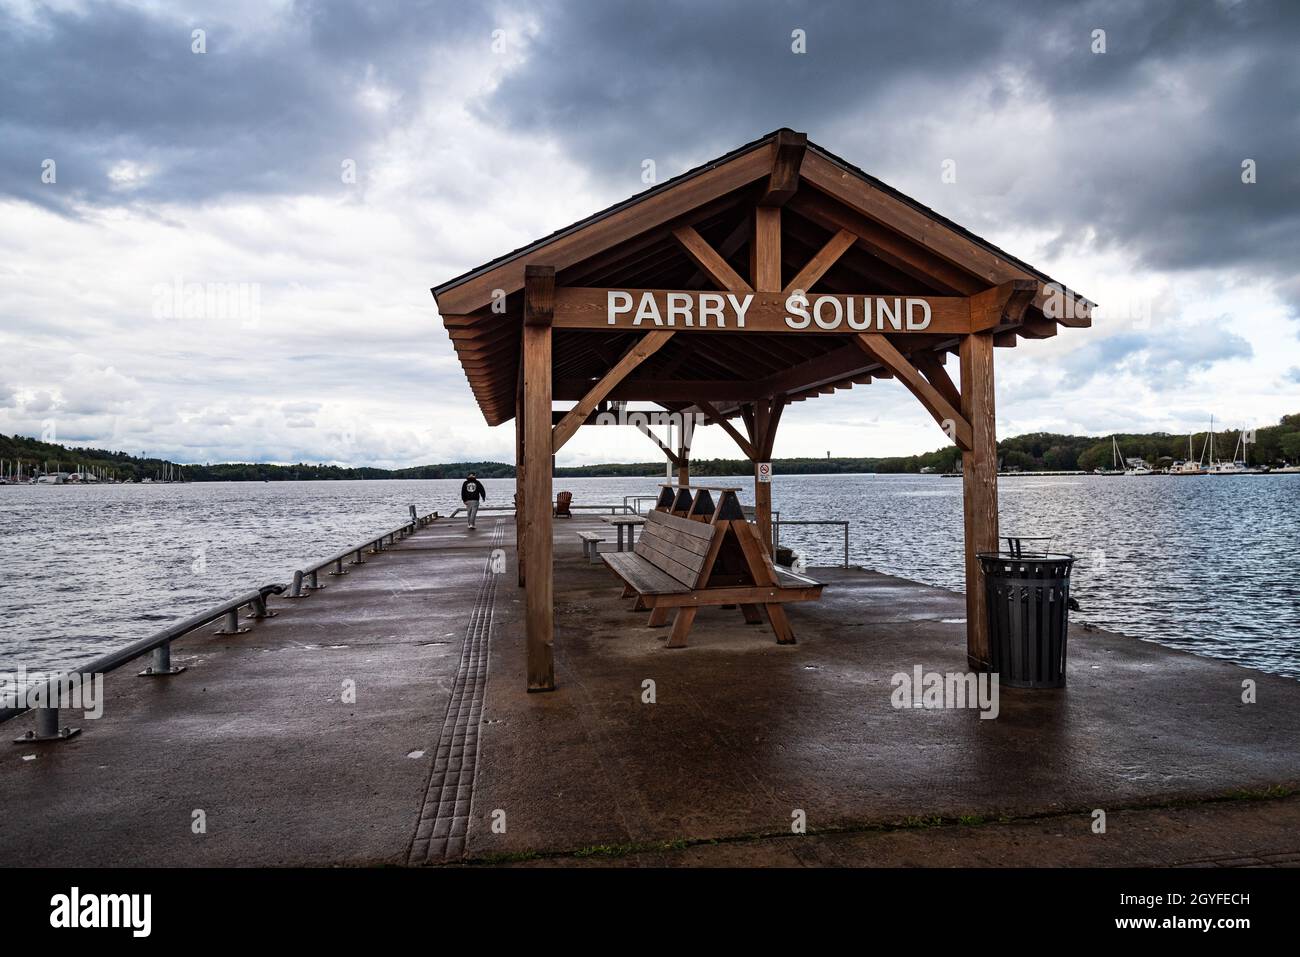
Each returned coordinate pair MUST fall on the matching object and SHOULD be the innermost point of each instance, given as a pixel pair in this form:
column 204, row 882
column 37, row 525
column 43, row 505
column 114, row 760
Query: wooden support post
column 539, row 305
column 979, row 486
column 681, row 626
column 767, row 413
column 683, row 466
column 765, row 250
column 519, row 469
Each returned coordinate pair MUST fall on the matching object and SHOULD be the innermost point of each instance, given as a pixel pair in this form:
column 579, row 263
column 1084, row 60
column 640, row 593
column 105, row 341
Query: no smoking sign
column 765, row 471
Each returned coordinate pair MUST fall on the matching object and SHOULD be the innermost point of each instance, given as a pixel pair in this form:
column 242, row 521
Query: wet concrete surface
column 743, row 734
column 255, row 733
column 1207, row 835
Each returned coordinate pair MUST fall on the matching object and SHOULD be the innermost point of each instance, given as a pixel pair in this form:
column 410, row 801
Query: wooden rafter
column 916, row 225
column 949, row 418
column 709, row 260
column 729, row 246
column 825, row 258
column 626, row 223
column 647, row 346
column 929, row 364
column 716, row 418
column 672, row 456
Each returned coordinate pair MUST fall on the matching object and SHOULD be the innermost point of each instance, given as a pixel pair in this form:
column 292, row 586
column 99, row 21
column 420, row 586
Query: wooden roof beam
column 710, row 261
column 539, row 295
column 716, row 418
column 659, row 390
column 672, row 456
column 898, row 251
column 932, row 368
column 624, row 223
column 643, row 349
column 825, row 258
column 1003, row 305
column 953, row 423
column 786, row 163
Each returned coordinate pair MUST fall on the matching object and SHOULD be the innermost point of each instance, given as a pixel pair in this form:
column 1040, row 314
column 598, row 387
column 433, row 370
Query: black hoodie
column 472, row 488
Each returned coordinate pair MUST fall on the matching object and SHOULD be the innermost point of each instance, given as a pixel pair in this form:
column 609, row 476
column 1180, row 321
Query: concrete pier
column 441, row 757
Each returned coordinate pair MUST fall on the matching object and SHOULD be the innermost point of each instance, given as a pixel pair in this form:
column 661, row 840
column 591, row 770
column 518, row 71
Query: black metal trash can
column 1028, row 610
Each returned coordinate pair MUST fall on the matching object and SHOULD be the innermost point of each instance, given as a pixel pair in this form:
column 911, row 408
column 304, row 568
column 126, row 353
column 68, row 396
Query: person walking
column 471, row 493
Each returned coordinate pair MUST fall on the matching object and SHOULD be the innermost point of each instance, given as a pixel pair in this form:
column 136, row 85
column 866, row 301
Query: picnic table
column 630, row 522
column 697, row 551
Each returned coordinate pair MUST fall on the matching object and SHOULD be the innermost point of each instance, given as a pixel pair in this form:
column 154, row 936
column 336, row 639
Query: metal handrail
column 613, row 509
column 47, row 715
column 310, row 574
column 159, row 644
column 776, row 532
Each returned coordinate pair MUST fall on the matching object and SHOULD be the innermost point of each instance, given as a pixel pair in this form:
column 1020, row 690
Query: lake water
column 1208, row 564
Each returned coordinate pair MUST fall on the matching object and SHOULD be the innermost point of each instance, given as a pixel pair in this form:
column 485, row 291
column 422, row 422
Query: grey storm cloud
column 1144, row 153
column 270, row 112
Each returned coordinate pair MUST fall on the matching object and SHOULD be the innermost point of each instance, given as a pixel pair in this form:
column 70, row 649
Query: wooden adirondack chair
column 562, row 502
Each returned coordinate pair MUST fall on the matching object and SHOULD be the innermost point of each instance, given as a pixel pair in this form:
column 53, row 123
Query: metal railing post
column 158, row 646
column 231, row 627
column 162, row 663
column 47, row 728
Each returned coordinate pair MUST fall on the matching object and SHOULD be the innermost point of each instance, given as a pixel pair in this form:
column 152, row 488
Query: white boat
column 1135, row 466
column 1187, row 466
column 1235, row 466
column 1287, row 470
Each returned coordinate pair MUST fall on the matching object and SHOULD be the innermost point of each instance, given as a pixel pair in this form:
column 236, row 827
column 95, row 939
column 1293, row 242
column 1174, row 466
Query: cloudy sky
column 320, row 165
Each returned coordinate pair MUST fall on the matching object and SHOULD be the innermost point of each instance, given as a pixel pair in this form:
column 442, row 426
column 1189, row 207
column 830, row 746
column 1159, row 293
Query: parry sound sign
column 693, row 310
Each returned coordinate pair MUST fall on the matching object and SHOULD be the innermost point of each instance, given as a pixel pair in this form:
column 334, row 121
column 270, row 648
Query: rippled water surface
column 1204, row 563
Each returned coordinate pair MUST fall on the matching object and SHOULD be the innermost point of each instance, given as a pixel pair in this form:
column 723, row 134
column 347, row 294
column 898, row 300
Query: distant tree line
column 1037, row 451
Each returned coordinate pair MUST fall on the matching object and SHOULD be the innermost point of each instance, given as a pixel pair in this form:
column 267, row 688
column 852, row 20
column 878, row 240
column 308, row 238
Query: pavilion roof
column 898, row 246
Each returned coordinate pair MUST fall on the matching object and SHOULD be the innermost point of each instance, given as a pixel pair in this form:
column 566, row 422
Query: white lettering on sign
column 680, row 308
column 857, row 312
column 703, row 310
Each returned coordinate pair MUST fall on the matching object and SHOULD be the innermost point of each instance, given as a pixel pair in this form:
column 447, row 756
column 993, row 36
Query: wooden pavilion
column 773, row 274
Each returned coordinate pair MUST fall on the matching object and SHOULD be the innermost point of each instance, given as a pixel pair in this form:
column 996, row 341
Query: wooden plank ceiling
column 894, row 246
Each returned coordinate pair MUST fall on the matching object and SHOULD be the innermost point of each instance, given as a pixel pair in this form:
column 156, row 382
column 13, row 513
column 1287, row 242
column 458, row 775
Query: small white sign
column 765, row 471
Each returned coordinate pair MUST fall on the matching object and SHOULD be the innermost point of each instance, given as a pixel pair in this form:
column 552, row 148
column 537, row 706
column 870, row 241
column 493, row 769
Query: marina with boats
column 1206, row 463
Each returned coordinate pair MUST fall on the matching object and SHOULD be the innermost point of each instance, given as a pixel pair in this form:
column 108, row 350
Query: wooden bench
column 695, row 552
column 591, row 542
